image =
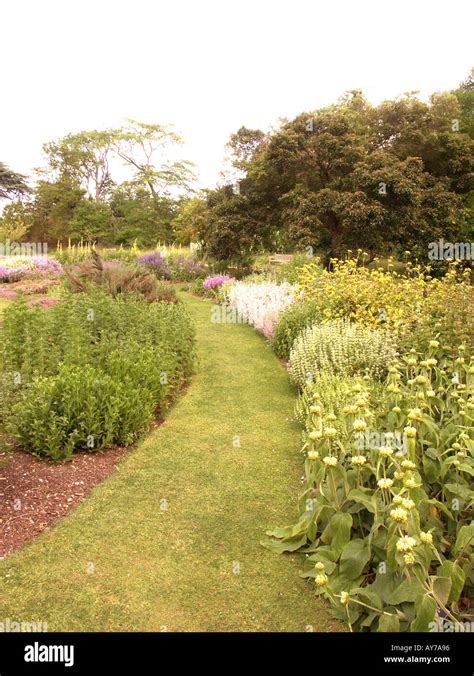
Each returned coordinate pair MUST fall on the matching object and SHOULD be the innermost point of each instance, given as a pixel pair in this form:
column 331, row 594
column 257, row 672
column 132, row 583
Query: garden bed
column 35, row 493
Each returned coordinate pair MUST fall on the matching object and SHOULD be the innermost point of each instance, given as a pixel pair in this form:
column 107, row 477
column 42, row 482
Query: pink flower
column 217, row 280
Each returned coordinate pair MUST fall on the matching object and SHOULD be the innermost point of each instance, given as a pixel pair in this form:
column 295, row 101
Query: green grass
column 177, row 568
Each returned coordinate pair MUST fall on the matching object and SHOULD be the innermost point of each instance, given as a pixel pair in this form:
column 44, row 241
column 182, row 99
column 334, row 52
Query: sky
column 210, row 66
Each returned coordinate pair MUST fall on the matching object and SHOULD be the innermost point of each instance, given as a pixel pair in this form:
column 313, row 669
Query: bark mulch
column 35, row 493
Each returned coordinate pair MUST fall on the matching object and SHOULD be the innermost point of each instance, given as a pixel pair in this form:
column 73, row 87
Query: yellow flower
column 410, row 432
column 330, row 461
column 321, row 579
column 427, row 538
column 313, row 455
column 344, row 598
column 408, row 504
column 359, row 425
column 406, row 543
column 399, row 514
column 409, row 559
column 359, row 460
column 319, row 566
column 385, row 484
column 330, row 432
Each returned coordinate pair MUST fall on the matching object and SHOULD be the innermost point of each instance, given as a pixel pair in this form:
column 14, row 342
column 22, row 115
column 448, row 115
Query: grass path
column 121, row 563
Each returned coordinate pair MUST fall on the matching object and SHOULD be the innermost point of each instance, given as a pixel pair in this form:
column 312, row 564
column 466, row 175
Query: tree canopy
column 386, row 178
column 12, row 184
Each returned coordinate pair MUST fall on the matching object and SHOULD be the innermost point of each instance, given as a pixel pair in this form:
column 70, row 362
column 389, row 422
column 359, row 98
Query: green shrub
column 92, row 370
column 340, row 347
column 291, row 322
column 335, row 394
column 386, row 513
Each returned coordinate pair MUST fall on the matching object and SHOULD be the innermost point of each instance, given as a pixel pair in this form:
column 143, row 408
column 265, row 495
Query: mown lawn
column 170, row 541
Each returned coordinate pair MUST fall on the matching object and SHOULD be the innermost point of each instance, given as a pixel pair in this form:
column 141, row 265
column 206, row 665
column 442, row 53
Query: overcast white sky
column 211, row 66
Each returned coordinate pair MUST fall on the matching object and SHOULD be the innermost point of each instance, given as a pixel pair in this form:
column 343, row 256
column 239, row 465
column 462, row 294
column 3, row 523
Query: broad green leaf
column 280, row 546
column 441, row 588
column 341, row 527
column 459, row 489
column 439, row 505
column 354, row 558
column 367, row 596
column 464, row 538
column 389, row 623
column 425, row 614
column 464, row 467
column 409, row 590
column 455, row 572
column 371, row 616
column 365, row 499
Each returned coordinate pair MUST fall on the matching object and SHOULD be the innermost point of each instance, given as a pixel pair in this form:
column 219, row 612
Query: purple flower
column 13, row 273
column 217, row 280
column 45, row 264
column 155, row 261
column 27, row 265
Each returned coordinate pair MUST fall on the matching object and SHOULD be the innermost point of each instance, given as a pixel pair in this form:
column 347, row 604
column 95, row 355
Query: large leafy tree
column 79, row 197
column 144, row 149
column 138, row 215
column 12, row 184
column 386, row 178
column 50, row 212
column 83, row 158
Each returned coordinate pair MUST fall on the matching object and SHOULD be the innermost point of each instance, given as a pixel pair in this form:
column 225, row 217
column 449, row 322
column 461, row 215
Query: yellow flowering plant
column 412, row 306
column 385, row 514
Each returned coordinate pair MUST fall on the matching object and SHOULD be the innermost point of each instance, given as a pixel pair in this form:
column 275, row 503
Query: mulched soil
column 35, row 493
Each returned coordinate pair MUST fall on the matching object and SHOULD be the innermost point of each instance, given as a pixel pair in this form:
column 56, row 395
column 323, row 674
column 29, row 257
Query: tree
column 83, row 158
column 91, row 222
column 190, row 219
column 385, row 178
column 51, row 209
column 11, row 184
column 77, row 195
column 142, row 148
column 137, row 215
column 230, row 231
column 13, row 222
